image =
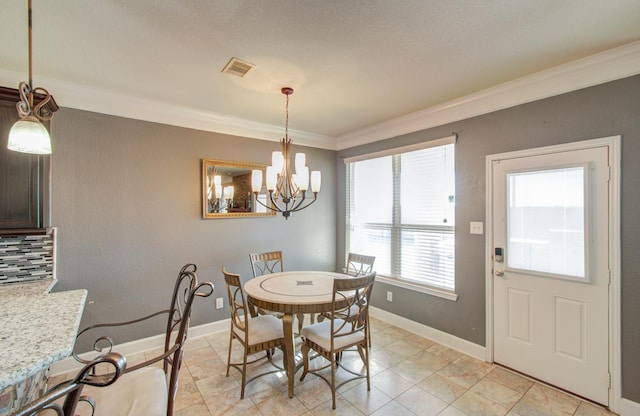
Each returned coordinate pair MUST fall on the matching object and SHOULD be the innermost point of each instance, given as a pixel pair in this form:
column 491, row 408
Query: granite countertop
column 28, row 288
column 37, row 328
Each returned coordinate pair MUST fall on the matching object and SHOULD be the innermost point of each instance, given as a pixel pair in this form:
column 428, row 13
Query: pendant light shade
column 29, row 135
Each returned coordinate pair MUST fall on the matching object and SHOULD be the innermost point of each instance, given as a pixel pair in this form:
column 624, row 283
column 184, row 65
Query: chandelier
column 29, row 135
column 287, row 190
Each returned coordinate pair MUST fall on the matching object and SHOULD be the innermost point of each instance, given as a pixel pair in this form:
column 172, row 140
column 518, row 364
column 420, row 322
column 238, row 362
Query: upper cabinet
column 24, row 178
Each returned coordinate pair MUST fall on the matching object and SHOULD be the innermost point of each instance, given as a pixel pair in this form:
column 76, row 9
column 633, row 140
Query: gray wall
column 600, row 111
column 126, row 201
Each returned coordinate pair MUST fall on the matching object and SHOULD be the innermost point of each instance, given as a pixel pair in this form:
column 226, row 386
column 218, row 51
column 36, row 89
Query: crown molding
column 610, row 65
column 607, row 66
column 102, row 101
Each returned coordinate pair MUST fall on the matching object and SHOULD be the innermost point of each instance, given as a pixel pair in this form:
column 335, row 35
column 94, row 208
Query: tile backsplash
column 27, row 257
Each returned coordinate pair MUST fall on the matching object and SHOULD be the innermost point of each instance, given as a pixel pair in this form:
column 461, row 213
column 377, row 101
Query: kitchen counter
column 37, row 328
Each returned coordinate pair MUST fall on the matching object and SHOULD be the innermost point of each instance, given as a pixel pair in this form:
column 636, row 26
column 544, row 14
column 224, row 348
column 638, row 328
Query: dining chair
column 262, row 333
column 359, row 264
column 347, row 327
column 62, row 399
column 149, row 388
column 265, row 263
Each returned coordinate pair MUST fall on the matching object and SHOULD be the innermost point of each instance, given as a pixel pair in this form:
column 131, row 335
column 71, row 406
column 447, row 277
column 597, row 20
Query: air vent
column 237, row 67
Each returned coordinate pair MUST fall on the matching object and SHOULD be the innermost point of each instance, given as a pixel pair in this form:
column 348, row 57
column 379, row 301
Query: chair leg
column 284, row 358
column 229, row 355
column 244, row 373
column 305, row 360
column 365, row 352
column 300, row 317
column 334, row 364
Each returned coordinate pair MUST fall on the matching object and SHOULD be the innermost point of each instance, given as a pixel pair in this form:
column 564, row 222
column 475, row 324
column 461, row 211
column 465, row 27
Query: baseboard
column 451, row 341
column 141, row 345
column 146, row 344
column 629, row 408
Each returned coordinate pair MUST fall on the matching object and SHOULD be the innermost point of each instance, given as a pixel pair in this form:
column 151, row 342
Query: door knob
column 499, row 273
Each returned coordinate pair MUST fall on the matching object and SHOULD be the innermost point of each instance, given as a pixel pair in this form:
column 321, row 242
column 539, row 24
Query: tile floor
column 410, row 375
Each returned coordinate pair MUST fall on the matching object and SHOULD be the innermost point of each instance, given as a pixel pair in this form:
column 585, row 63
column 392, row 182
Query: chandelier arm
column 286, row 211
column 299, row 208
column 295, row 206
column 265, row 205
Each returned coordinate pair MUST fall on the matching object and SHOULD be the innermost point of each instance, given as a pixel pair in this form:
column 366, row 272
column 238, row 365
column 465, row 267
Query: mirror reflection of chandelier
column 287, row 190
column 218, row 193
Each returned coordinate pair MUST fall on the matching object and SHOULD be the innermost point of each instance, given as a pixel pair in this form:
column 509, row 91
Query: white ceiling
column 360, row 68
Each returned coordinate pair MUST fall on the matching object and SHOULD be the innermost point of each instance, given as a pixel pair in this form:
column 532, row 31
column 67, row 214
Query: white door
column 551, row 268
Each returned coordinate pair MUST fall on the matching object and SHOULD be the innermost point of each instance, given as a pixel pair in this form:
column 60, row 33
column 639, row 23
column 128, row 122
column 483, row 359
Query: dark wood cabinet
column 24, row 178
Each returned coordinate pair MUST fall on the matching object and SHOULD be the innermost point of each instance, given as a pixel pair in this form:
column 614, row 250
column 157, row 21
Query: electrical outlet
column 475, row 227
column 219, row 303
column 389, row 296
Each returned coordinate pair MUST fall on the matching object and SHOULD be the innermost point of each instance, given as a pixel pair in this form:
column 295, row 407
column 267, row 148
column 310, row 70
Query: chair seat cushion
column 320, row 334
column 141, row 392
column 262, row 328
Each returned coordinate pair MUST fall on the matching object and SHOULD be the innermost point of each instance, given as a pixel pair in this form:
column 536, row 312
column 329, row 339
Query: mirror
column 226, row 190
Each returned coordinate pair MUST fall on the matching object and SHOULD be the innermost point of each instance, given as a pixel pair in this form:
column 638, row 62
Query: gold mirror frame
column 237, row 174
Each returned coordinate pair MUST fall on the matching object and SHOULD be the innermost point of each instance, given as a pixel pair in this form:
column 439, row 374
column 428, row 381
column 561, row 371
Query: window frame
column 399, row 281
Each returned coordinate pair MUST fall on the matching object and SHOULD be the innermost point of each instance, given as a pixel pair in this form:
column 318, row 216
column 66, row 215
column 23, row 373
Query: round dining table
column 292, row 293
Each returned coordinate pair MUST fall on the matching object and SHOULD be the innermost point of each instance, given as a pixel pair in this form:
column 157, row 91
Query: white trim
column 140, row 345
column 71, row 95
column 617, row 63
column 629, row 408
column 403, row 149
column 614, row 143
column 146, row 344
column 448, row 340
column 615, row 289
column 441, row 293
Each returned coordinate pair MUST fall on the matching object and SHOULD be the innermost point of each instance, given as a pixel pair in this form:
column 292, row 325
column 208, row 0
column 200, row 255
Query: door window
column 546, row 222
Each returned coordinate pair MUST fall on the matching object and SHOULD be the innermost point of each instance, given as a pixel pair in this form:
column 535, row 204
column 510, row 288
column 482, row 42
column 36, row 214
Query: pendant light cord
column 30, row 19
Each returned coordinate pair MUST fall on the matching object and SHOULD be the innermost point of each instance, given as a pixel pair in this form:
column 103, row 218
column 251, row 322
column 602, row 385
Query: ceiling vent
column 237, row 67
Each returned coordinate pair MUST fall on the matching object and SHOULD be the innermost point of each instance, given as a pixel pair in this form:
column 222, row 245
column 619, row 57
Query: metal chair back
column 265, row 263
column 359, row 264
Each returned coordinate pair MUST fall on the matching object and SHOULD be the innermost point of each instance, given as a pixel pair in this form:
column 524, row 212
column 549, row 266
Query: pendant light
column 287, row 190
column 29, row 135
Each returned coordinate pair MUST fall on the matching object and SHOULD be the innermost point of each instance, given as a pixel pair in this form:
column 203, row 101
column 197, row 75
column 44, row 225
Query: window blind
column 400, row 208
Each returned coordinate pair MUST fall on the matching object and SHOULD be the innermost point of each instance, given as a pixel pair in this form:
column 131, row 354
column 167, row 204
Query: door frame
column 614, row 145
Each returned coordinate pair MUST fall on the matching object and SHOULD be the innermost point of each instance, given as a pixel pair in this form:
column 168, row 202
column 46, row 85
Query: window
column 400, row 208
column 546, row 222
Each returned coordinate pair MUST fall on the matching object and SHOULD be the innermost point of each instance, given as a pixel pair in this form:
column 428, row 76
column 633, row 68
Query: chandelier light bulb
column 272, row 178
column 256, row 180
column 277, row 161
column 300, row 162
column 316, row 181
